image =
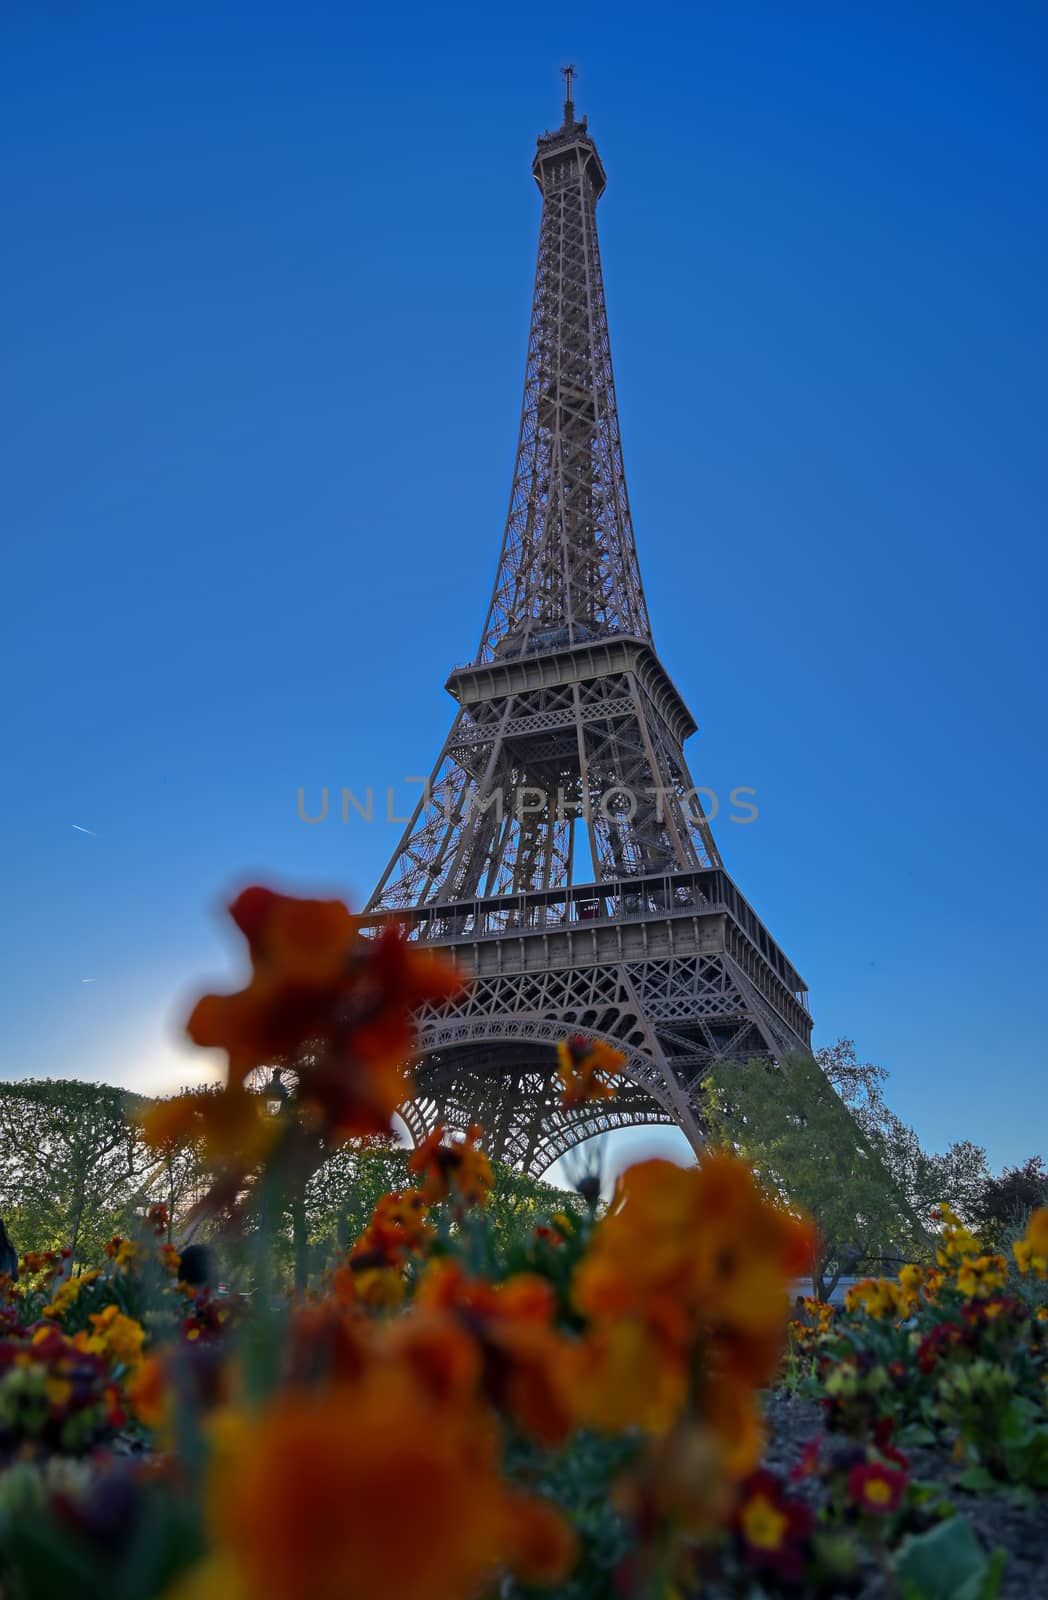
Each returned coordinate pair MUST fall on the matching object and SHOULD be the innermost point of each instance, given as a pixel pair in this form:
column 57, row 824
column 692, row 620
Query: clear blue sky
column 266, row 272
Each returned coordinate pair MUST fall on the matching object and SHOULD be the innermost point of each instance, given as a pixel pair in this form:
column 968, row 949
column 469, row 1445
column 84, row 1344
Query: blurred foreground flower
column 1031, row 1252
column 318, row 982
column 685, row 1290
column 324, row 1001
column 375, row 1488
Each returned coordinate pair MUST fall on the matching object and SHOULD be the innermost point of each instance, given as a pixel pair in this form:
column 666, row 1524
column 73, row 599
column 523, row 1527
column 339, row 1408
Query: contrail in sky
column 79, row 829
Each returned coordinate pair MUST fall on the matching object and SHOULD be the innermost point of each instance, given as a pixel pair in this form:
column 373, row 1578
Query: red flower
column 877, row 1487
column 774, row 1530
column 809, row 1463
column 883, row 1433
column 937, row 1343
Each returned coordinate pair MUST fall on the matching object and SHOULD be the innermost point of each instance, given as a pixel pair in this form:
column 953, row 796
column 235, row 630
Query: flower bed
column 578, row 1410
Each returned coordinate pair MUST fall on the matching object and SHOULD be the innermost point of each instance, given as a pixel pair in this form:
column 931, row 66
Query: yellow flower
column 115, row 1336
column 955, row 1240
column 123, row 1253
column 878, row 1297
column 1031, row 1253
column 381, row 1287
column 1037, row 1231
column 624, row 1377
column 979, row 1276
column 67, row 1293
column 57, row 1390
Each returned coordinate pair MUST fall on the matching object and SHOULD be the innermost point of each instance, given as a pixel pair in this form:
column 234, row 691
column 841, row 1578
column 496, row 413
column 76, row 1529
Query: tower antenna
column 568, row 74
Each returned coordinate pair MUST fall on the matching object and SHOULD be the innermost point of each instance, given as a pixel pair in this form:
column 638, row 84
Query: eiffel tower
column 559, row 850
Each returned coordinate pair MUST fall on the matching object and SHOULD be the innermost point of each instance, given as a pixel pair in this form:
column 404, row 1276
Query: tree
column 74, row 1168
column 72, row 1164
column 811, row 1148
column 958, row 1175
column 1004, row 1202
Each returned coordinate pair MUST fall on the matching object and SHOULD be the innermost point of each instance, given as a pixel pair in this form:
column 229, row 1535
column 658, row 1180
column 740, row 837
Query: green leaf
column 1027, row 1459
column 948, row 1563
column 978, row 1480
column 41, row 1561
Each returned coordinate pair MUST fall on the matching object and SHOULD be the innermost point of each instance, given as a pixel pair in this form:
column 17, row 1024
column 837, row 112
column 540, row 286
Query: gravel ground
column 998, row 1520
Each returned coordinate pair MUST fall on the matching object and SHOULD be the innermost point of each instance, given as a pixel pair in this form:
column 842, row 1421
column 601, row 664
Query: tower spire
column 568, row 564
column 568, row 74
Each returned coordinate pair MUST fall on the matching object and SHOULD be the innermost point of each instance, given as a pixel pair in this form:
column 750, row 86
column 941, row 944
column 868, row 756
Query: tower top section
column 568, row 570
column 568, row 148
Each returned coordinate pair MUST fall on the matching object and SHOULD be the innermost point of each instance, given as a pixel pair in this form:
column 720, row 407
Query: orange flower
column 337, row 1004
column 299, row 950
column 378, row 1489
column 623, row 1375
column 149, row 1394
column 231, row 1124
column 527, row 1363
column 170, row 1259
column 686, row 1259
column 730, row 1408
column 440, row 1351
column 331, row 1342
column 115, row 1336
column 458, row 1167
column 397, row 1229
column 543, row 1548
column 584, row 1068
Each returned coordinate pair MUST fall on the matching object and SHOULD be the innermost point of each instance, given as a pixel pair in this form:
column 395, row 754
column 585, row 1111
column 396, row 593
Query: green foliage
column 791, row 1123
column 74, row 1170
column 341, row 1195
column 948, row 1563
column 581, row 1481
column 1003, row 1203
column 71, row 1166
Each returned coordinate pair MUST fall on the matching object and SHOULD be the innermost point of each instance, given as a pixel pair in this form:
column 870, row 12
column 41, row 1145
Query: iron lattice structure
column 559, row 850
